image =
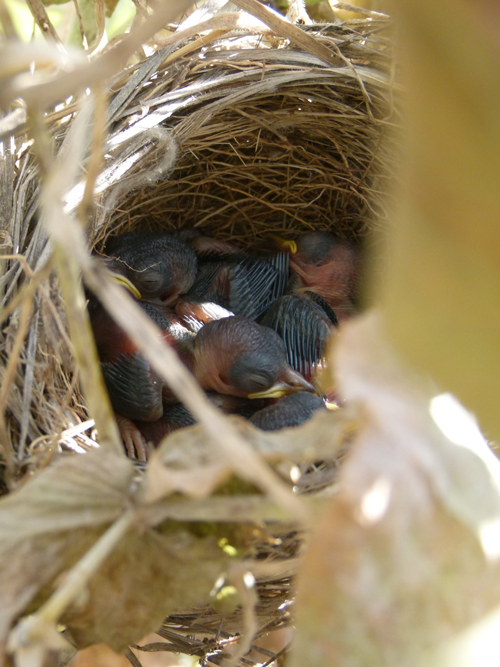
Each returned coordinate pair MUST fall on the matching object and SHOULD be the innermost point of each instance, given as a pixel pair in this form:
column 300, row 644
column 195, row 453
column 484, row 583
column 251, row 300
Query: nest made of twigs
column 246, row 137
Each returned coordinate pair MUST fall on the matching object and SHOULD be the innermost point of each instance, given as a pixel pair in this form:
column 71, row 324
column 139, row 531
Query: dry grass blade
column 227, row 21
column 244, row 582
column 8, row 378
column 287, row 30
column 68, row 242
column 99, row 70
column 94, row 163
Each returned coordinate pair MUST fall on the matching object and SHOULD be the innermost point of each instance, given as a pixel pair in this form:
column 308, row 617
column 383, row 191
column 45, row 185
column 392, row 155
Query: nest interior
column 239, row 138
column 243, row 138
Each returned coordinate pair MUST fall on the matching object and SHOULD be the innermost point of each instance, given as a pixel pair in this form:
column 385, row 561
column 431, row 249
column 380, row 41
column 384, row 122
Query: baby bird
column 241, row 284
column 326, row 265
column 134, row 388
column 239, row 357
column 160, row 266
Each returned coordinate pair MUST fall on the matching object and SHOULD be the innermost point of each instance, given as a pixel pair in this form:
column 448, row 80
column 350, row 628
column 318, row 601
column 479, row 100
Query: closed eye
column 149, row 281
column 256, row 382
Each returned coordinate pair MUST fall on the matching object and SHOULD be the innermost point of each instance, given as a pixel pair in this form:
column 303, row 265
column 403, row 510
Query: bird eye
column 149, row 282
column 255, row 382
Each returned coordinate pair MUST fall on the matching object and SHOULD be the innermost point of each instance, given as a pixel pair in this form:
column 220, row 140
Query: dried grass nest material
column 243, row 138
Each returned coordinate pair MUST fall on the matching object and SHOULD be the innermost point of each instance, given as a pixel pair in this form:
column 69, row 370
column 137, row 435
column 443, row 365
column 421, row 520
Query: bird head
column 239, row 357
column 159, row 266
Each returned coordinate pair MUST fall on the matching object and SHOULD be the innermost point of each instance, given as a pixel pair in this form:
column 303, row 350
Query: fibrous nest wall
column 257, row 141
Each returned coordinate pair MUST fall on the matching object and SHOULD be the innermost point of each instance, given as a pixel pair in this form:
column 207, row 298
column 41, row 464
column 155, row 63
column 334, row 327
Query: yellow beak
column 296, row 383
column 284, row 244
column 121, row 280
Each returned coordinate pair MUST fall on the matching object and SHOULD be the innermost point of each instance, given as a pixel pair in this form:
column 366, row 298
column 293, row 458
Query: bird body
column 195, row 314
column 305, row 323
column 250, row 328
column 242, row 284
column 134, row 388
column 176, row 416
column 290, row 411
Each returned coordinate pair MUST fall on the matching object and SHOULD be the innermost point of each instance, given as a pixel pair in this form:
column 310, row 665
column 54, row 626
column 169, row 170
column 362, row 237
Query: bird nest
column 244, row 137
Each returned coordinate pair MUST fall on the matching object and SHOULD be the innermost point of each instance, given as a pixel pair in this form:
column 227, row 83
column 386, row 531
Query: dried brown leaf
column 189, row 463
column 147, row 576
column 51, row 525
column 48, row 524
column 442, row 280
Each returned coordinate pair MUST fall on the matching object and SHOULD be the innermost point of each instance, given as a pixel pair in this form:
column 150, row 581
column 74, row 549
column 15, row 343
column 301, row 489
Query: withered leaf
column 52, row 522
column 148, row 576
column 49, row 523
column 189, row 463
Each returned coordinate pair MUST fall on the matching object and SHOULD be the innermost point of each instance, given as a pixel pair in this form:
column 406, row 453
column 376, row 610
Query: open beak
column 121, row 280
column 292, row 383
column 284, row 244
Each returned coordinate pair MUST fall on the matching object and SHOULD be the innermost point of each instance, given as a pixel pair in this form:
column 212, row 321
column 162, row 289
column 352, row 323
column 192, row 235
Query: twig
column 8, row 378
column 80, row 22
column 43, row 21
column 244, row 582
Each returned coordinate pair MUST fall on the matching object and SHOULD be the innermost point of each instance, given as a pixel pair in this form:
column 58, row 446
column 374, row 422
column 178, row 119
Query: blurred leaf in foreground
column 135, row 549
column 442, row 287
column 406, row 555
column 478, row 645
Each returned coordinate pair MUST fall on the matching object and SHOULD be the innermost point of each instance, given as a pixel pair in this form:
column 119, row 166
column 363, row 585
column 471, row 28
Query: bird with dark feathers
column 160, row 266
column 326, row 265
column 134, row 388
column 240, row 283
column 218, row 291
column 194, row 315
column 305, row 323
column 292, row 410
